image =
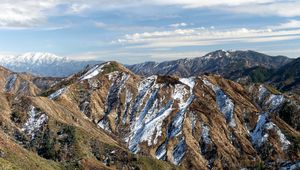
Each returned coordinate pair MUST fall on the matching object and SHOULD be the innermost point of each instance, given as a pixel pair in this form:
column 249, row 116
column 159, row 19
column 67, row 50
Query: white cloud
column 177, row 25
column 288, row 25
column 100, row 25
column 77, row 8
column 30, row 13
column 20, row 13
column 204, row 37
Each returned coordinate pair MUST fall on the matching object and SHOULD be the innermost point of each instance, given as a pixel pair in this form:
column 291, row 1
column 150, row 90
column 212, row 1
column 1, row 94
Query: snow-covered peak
column 40, row 57
column 32, row 58
column 43, row 64
column 219, row 54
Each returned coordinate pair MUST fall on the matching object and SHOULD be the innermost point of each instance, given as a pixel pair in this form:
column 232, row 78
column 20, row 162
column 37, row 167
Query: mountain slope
column 58, row 132
column 287, row 77
column 225, row 63
column 43, row 64
column 219, row 122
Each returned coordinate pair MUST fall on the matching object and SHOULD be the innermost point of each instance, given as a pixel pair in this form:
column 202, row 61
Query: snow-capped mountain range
column 43, row 64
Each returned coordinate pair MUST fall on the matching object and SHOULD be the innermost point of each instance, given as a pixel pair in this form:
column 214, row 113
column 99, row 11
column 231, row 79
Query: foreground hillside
column 39, row 133
column 107, row 117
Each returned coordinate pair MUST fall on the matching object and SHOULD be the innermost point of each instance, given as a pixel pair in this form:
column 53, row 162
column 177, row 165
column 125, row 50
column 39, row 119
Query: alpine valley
column 225, row 110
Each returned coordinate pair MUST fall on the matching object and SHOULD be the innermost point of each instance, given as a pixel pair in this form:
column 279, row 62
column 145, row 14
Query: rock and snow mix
column 179, row 152
column 257, row 136
column 176, row 125
column 205, row 134
column 138, row 133
column 161, row 152
column 56, row 94
column 262, row 91
column 35, row 121
column 147, row 126
column 268, row 100
column 104, row 124
column 10, row 81
column 283, row 140
column 274, row 101
column 143, row 88
column 119, row 80
column 291, row 166
column 128, row 99
column 94, row 71
column 224, row 103
column 151, row 130
column 260, row 134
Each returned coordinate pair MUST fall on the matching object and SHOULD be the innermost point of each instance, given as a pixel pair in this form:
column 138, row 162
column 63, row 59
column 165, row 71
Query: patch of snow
column 262, row 91
column 179, row 92
column 104, row 124
column 224, row 103
column 35, row 121
column 93, row 71
column 188, row 81
column 179, row 152
column 193, row 120
column 176, row 125
column 205, row 134
column 257, row 136
column 10, row 81
column 114, row 91
column 138, row 133
column 128, row 99
column 143, row 88
column 274, row 101
column 283, row 140
column 56, row 94
column 177, row 122
column 161, row 152
column 260, row 135
column 113, row 75
column 290, row 166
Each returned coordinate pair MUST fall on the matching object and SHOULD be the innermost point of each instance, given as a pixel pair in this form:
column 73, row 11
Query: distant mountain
column 287, row 77
column 43, row 64
column 230, row 64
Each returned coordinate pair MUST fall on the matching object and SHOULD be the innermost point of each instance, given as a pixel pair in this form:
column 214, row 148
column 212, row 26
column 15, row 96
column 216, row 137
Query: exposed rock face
column 199, row 122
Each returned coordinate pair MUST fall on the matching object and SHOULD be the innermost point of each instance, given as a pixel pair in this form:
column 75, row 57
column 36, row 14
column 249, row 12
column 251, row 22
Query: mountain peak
column 43, row 64
column 41, row 57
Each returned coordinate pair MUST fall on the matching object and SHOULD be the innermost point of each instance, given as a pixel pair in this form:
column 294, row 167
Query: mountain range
column 108, row 117
column 245, row 67
column 43, row 64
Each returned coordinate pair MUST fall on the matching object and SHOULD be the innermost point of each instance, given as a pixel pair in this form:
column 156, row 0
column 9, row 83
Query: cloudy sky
column 132, row 31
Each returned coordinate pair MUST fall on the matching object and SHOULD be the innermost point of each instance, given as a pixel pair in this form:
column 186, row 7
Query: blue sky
column 133, row 31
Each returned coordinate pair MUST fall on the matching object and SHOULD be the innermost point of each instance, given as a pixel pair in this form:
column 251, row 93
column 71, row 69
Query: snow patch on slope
column 262, row 91
column 275, row 101
column 179, row 152
column 10, row 81
column 225, row 104
column 56, row 94
column 283, row 140
column 35, row 121
column 183, row 105
column 260, row 134
column 257, row 136
column 94, row 71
